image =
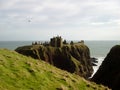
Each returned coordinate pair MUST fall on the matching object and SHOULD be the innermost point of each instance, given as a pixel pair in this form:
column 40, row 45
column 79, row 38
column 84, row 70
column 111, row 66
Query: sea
column 98, row 49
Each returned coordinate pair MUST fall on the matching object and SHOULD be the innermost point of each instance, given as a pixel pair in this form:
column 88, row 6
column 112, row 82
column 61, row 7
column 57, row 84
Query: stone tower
column 56, row 41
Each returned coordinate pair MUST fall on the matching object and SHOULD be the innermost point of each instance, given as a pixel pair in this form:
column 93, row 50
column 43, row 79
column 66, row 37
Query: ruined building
column 56, row 41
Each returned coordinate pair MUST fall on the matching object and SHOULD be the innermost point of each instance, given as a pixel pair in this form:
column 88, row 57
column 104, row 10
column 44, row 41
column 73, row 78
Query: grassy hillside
column 18, row 72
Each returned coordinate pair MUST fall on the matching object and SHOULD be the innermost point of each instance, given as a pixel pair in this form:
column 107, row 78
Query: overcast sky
column 72, row 19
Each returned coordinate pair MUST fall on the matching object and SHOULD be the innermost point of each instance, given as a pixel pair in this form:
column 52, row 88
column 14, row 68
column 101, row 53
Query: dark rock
column 109, row 72
column 73, row 58
column 93, row 64
column 94, row 60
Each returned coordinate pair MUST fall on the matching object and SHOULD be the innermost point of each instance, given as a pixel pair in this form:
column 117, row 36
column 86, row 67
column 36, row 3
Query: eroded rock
column 109, row 72
column 73, row 58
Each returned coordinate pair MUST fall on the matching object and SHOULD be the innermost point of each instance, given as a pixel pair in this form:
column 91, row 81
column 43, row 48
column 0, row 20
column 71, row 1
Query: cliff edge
column 109, row 72
column 73, row 58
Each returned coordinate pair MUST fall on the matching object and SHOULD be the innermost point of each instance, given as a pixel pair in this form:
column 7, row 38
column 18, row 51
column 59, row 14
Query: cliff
column 73, row 58
column 18, row 72
column 109, row 72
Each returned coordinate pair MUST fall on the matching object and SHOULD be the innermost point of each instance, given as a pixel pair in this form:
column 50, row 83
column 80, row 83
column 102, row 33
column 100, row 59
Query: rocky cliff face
column 109, row 72
column 73, row 58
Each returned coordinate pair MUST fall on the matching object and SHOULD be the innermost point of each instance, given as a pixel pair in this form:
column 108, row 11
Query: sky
column 71, row 19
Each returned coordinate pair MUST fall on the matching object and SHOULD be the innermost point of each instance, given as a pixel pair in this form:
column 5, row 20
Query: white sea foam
column 95, row 68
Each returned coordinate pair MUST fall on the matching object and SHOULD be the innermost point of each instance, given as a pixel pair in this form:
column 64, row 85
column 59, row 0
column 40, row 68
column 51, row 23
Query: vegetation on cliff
column 109, row 72
column 18, row 72
column 73, row 58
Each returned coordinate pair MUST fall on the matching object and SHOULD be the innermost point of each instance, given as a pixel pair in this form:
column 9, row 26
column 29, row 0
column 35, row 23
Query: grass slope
column 18, row 72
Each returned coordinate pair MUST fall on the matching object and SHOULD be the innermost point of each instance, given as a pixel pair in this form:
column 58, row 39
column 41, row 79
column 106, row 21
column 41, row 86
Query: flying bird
column 29, row 20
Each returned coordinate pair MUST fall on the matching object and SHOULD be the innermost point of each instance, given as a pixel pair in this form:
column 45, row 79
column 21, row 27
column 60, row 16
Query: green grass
column 18, row 72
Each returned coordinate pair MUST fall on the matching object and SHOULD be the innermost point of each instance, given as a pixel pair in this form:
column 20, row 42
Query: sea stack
column 109, row 72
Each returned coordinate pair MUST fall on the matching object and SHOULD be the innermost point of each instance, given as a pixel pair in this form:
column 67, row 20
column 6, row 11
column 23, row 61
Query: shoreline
column 95, row 68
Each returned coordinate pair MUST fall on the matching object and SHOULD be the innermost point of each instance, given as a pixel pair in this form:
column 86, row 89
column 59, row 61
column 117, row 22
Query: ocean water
column 98, row 49
column 12, row 45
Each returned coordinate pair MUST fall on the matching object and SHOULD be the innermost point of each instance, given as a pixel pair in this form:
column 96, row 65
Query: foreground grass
column 18, row 72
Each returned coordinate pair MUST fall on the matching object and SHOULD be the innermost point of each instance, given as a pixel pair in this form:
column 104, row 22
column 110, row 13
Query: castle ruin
column 56, row 41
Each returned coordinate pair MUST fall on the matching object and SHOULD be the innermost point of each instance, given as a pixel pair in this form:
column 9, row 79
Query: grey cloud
column 54, row 14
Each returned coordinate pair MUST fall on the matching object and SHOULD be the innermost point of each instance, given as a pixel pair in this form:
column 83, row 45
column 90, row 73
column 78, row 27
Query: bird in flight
column 29, row 20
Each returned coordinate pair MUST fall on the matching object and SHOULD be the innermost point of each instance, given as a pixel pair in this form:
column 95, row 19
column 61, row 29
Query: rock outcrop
column 94, row 61
column 73, row 58
column 109, row 72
